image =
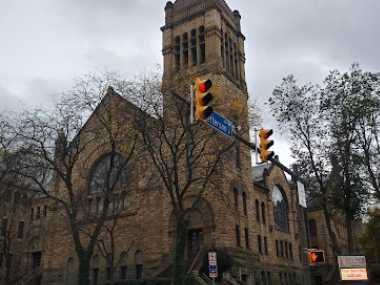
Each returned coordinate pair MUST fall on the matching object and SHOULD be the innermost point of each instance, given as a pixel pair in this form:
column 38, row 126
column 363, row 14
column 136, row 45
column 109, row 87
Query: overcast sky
column 46, row 44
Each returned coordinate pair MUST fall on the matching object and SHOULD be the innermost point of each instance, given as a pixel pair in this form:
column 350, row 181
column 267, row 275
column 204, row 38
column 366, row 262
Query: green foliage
column 334, row 131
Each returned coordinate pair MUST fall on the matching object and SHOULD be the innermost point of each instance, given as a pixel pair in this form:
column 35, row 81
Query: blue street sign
column 212, row 269
column 221, row 124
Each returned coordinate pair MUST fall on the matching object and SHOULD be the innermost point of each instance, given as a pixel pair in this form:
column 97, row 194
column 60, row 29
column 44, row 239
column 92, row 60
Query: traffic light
column 265, row 144
column 316, row 256
column 202, row 98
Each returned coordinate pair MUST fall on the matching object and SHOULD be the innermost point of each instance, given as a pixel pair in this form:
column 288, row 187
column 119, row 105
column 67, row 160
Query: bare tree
column 107, row 246
column 297, row 110
column 188, row 158
column 80, row 156
column 14, row 200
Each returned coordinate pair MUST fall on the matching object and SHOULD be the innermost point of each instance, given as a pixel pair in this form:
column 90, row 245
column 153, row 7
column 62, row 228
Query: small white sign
column 353, row 274
column 212, row 265
column 212, row 256
column 301, row 194
column 352, row 262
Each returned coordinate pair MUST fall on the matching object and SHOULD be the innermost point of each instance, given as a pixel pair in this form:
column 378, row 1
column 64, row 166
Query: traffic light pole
column 273, row 160
column 191, row 104
column 252, row 146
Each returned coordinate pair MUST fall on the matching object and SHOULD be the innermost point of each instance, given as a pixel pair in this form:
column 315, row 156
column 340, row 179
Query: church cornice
column 198, row 9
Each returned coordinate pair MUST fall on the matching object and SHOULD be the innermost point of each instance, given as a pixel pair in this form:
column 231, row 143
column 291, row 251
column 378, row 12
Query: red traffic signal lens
column 316, row 257
column 205, row 86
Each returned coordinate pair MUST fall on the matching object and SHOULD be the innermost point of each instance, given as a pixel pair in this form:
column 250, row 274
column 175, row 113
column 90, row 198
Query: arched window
column 202, row 44
column 263, row 214
column 236, row 198
column 109, row 269
column 193, row 43
column 259, row 245
column 245, row 203
column 227, row 51
column 124, row 200
column 235, row 61
column 185, row 49
column 237, row 234
column 108, row 171
column 69, row 272
column 257, row 208
column 222, row 47
column 280, row 209
column 177, row 52
column 123, row 265
column 38, row 212
column 231, row 56
column 313, row 228
column 95, row 270
column 139, row 264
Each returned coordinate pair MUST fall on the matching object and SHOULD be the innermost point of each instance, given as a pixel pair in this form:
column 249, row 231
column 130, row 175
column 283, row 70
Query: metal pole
column 256, row 153
column 191, row 104
column 273, row 160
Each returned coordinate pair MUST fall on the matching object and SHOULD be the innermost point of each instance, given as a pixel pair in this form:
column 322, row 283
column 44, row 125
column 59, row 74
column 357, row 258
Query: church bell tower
column 203, row 39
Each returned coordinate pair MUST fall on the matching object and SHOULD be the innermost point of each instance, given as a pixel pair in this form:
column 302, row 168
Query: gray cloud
column 46, row 44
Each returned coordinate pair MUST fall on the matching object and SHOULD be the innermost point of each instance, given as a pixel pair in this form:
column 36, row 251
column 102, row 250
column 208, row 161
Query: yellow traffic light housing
column 316, row 256
column 202, row 98
column 265, row 144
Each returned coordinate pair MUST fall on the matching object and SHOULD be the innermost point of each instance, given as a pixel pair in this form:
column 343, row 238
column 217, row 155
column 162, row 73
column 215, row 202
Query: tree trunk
column 84, row 270
column 350, row 243
column 335, row 246
column 179, row 270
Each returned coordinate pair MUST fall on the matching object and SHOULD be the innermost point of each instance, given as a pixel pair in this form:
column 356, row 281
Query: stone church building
column 261, row 227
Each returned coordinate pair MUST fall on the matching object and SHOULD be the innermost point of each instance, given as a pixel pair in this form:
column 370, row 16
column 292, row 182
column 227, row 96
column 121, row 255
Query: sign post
column 212, row 266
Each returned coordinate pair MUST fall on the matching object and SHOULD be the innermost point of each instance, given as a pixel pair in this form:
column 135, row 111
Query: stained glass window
column 108, row 172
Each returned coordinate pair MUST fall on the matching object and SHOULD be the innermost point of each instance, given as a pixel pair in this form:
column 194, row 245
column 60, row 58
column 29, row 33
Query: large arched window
column 280, row 209
column 108, row 171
